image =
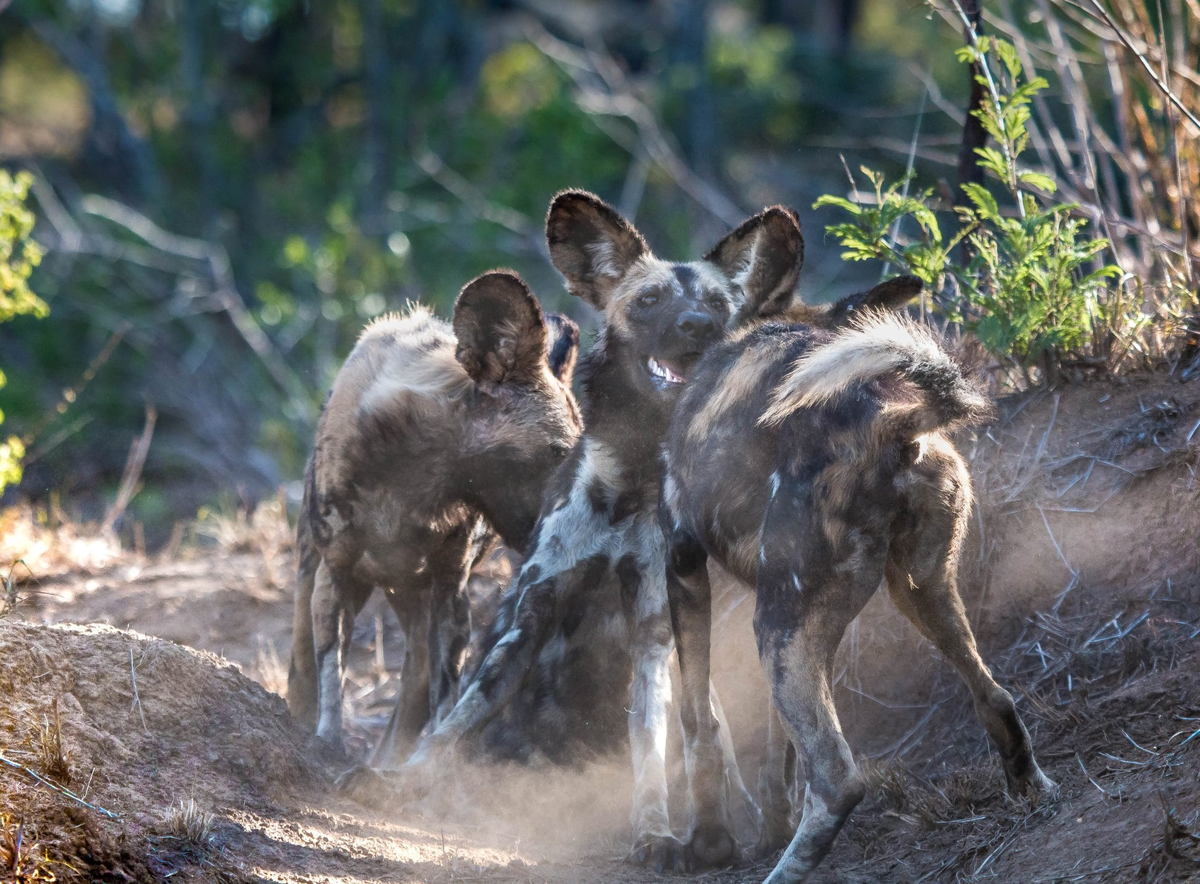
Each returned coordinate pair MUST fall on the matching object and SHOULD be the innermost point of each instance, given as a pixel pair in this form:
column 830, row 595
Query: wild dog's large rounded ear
column 590, row 244
column 562, row 346
column 763, row 258
column 500, row 329
column 887, row 296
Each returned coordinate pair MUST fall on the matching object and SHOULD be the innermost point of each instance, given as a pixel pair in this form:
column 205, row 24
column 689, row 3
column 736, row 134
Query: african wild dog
column 434, row 437
column 599, row 519
column 820, row 468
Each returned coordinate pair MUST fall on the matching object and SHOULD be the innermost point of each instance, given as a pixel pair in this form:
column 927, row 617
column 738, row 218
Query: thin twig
column 1145, row 63
column 132, row 474
column 62, row 790
column 137, row 700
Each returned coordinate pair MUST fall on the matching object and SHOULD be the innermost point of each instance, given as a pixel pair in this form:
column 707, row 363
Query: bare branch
column 604, row 90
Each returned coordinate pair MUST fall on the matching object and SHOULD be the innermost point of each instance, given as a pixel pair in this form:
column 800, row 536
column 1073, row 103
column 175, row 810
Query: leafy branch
column 18, row 256
column 1031, row 287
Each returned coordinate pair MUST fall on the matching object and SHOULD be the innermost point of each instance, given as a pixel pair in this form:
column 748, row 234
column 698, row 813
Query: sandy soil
column 1084, row 580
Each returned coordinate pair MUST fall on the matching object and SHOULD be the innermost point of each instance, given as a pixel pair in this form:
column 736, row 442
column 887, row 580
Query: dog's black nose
column 696, row 326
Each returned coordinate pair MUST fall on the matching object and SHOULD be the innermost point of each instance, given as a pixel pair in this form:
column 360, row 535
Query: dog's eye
column 648, row 300
column 717, row 303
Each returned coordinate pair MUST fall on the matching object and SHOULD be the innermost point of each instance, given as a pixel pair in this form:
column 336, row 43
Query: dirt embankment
column 1083, row 578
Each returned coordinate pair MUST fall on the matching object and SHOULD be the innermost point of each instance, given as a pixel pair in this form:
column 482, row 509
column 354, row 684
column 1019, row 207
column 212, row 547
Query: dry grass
column 190, row 825
column 46, row 542
column 53, row 759
column 9, row 599
column 23, row 859
column 1177, row 850
column 265, row 530
column 269, row 669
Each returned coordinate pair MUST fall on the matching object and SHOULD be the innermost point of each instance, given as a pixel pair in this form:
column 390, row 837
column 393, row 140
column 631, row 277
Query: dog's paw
column 1035, row 787
column 662, row 853
column 712, row 845
column 364, row 785
column 775, row 835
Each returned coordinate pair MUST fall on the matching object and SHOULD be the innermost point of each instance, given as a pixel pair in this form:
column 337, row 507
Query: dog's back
column 435, row 438
column 398, row 395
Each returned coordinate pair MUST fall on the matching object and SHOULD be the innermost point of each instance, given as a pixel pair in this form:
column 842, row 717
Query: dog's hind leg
column 820, row 566
column 411, row 712
column 450, row 620
column 335, row 603
column 921, row 578
column 775, row 789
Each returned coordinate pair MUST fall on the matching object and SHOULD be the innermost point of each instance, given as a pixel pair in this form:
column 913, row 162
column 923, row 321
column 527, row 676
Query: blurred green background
column 228, row 190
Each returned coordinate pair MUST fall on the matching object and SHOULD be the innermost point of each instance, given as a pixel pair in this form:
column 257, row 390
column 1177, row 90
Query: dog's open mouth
column 664, row 373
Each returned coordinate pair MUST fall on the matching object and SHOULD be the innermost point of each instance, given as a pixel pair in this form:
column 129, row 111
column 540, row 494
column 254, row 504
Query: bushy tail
column 302, row 675
column 882, row 344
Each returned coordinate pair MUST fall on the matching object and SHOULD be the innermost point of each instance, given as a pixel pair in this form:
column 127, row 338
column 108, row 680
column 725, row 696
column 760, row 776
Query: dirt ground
column 163, row 720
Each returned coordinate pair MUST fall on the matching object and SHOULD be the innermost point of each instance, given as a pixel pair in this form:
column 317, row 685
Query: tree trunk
column 378, row 141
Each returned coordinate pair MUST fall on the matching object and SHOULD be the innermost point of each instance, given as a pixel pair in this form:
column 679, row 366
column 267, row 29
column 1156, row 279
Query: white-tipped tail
column 878, row 344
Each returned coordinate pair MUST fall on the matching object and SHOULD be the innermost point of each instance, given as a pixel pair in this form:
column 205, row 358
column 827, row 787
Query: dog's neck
column 620, row 415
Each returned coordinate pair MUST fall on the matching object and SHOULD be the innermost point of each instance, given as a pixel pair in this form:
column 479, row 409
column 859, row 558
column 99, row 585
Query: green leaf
column 985, row 203
column 1008, row 55
column 840, row 202
column 1038, row 180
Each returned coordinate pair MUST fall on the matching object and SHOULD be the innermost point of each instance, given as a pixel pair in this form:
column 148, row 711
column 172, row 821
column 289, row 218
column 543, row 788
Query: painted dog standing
column 599, row 520
column 435, row 438
column 819, row 468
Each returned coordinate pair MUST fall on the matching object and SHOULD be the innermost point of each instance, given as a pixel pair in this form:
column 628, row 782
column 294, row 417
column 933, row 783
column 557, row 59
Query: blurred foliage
column 291, row 169
column 18, row 256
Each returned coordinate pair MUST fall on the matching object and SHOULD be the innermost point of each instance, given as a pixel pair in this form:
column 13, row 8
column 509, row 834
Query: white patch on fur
column 742, row 278
column 329, row 694
column 775, row 481
column 575, row 531
column 604, row 259
column 671, row 497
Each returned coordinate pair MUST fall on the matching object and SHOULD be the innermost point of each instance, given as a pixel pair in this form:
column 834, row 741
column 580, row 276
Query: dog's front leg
column 650, row 692
column 745, row 810
column 707, row 756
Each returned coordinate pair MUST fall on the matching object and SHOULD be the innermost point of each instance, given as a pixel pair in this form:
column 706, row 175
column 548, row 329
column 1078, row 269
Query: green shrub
column 18, row 256
column 1030, row 286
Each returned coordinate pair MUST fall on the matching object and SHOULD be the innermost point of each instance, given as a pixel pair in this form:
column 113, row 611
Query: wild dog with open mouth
column 434, row 438
column 599, row 521
column 813, row 465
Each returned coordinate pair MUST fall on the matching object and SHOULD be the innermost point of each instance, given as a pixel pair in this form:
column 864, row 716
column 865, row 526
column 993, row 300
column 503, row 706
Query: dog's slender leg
column 934, row 606
column 411, row 713
column 450, row 620
column 921, row 577
column 650, row 690
column 797, row 660
column 823, row 555
column 690, row 597
column 335, row 603
column 748, row 820
column 778, row 776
